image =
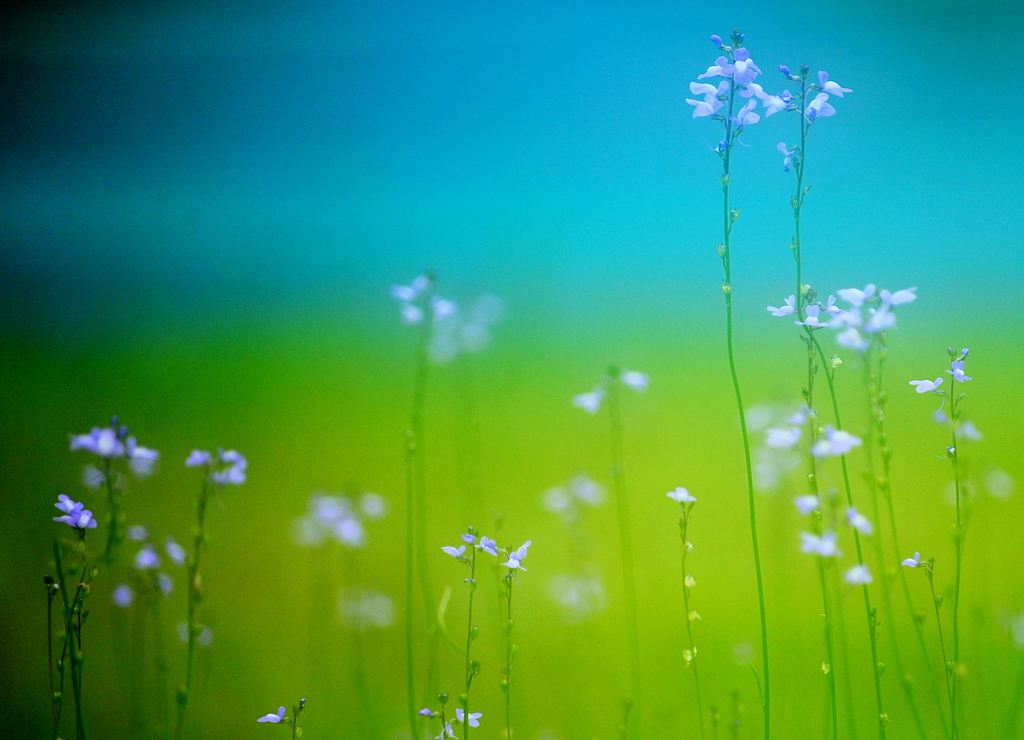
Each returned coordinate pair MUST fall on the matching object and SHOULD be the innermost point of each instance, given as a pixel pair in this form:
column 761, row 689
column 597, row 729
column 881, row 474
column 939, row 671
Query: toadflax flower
column 175, row 551
column 807, row 504
column 488, row 545
column 824, row 545
column 787, row 309
column 912, row 562
column 746, row 115
column 831, row 87
column 75, row 514
column 836, row 442
column 272, row 717
column 859, row 522
column 455, row 552
column 819, row 108
column 234, row 471
column 681, row 495
column 123, row 596
column 858, row 575
column 473, row 717
column 924, row 386
column 811, row 319
column 516, row 557
column 787, row 160
column 957, row 371
column 711, row 104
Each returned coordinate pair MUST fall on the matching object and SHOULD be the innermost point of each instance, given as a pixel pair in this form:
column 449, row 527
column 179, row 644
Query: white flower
column 899, row 297
column 858, row 575
column 590, row 402
column 836, row 442
column 681, row 495
column 924, row 386
column 787, row 309
column 587, row 490
column 880, row 320
column 807, row 504
column 851, row 339
column 856, row 297
column 636, row 380
column 812, row 313
column 516, row 557
column 783, row 438
column 349, row 531
column 825, row 545
column 373, row 506
column 455, row 552
column 558, row 501
column 858, row 521
column 473, row 717
column 912, row 562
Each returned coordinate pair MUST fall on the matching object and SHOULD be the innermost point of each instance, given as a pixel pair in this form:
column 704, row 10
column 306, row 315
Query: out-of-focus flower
column 578, row 596
column 165, row 582
column 807, row 504
column 858, row 575
column 590, row 402
column 587, row 490
column 681, row 495
column 204, row 638
column 100, row 441
column 898, row 298
column 636, row 380
column 373, row 506
column 856, row 297
column 92, row 477
column 456, row 331
column 858, row 521
column 967, row 430
column 999, row 484
column 142, row 460
column 123, row 596
column 175, row 551
column 198, row 458
column 824, row 545
column 879, row 319
column 926, row 386
column 362, row 609
column 851, row 339
column 835, row 443
column 234, row 471
column 782, row 438
column 138, row 533
column 147, row 559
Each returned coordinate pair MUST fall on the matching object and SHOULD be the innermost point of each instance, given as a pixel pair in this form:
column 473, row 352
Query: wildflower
column 472, row 717
column 454, row 552
column 165, row 582
column 138, row 533
column 426, row 712
column 578, row 596
column 851, row 339
column 783, row 438
column 746, row 115
column 101, row 442
column 858, row 575
column 234, row 473
column 275, row 718
column 681, row 495
column 825, row 545
column 836, row 442
column 93, row 477
column 443, row 308
column 586, row 490
column 516, row 557
column 811, row 319
column 831, row 87
column 775, row 103
column 710, row 104
column 788, row 309
column 636, row 380
column 446, row 732
column 147, row 559
column 858, row 521
column 361, row 608
column 175, row 551
column 590, row 402
column 123, row 596
column 880, row 319
column 819, row 108
column 957, row 371
column 787, row 154
column 469, row 539
column 912, row 562
column 924, row 386
column 899, row 297
column 76, row 515
column 348, row 530
column 856, row 297
column 198, row 458
column 967, row 430
column 721, row 68
column 373, row 506
column 142, row 460
column 744, row 70
column 488, row 545
column 807, row 504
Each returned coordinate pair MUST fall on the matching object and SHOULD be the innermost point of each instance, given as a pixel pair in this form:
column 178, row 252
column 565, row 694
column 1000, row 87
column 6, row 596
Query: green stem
column 195, row 595
column 930, row 571
column 684, row 522
column 626, row 548
column 958, row 541
column 73, row 630
column 410, row 577
column 464, row 699
column 50, row 593
column 1013, row 718
column 509, row 655
column 114, row 529
column 727, row 222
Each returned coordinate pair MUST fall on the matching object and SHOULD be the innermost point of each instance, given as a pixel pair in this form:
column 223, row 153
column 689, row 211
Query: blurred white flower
column 999, row 484
column 858, row 521
column 807, row 504
column 858, row 575
column 578, row 596
column 204, row 638
column 339, row 518
column 743, row 653
column 590, row 402
column 587, row 490
column 361, row 608
column 636, row 380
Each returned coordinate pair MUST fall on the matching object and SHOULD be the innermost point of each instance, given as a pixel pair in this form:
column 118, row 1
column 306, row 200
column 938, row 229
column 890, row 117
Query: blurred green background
column 204, row 207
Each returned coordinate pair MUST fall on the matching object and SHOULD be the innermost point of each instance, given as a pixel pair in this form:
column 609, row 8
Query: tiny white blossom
column 681, row 495
column 825, row 545
column 858, row 575
column 590, row 402
column 858, row 521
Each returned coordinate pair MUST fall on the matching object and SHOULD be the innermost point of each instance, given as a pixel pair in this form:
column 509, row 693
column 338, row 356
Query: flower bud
column 716, row 39
column 784, row 69
column 721, row 250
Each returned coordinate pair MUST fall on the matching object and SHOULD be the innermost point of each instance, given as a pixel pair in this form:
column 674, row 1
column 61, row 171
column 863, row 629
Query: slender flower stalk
column 52, row 589
column 280, row 718
column 73, row 612
column 229, row 468
column 686, row 504
column 929, row 569
column 738, row 72
column 514, row 563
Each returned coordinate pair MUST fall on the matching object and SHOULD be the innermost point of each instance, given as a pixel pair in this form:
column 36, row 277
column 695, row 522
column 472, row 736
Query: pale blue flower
column 681, row 495
column 123, row 596
column 858, row 575
column 590, row 402
column 807, row 504
column 147, row 559
column 787, row 158
column 138, row 533
column 455, row 552
column 426, row 712
column 819, row 108
column 957, row 371
column 788, row 309
column 830, row 87
column 898, row 298
column 811, row 318
column 636, row 380
column 880, row 319
column 823, row 546
column 746, row 115
column 912, row 562
column 175, row 551
column 489, row 546
column 198, row 458
column 473, row 717
column 234, row 472
column 142, row 460
column 516, row 557
column 274, row 718
column 103, row 442
column 165, row 582
column 856, row 297
column 782, row 438
column 469, row 539
column 76, row 515
column 851, row 339
column 925, row 386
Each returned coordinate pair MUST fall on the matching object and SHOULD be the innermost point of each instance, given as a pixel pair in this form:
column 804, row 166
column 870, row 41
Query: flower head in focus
column 912, row 562
column 957, row 371
column 75, row 514
column 787, row 309
column 787, row 160
column 682, row 496
column 516, row 557
column 473, row 717
column 275, row 718
column 927, row 386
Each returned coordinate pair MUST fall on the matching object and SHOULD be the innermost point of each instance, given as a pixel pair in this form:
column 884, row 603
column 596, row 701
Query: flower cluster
column 514, row 557
column 956, row 369
column 339, row 517
column 591, row 401
column 113, row 442
column 229, row 467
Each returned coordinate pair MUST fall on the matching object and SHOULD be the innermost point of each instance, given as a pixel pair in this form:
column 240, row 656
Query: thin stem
column 684, row 522
column 470, row 672
column 410, row 577
column 828, row 648
column 626, row 548
column 506, row 683
column 195, row 595
column 727, row 223
column 930, row 571
column 1017, row 700
column 115, row 524
column 50, row 593
column 73, row 629
column 958, row 532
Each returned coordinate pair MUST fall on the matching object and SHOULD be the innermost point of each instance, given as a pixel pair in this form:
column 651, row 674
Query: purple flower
column 275, row 718
column 787, row 154
column 147, row 559
column 455, row 552
column 924, row 386
column 516, row 557
column 198, row 458
column 102, row 442
column 785, row 310
column 473, row 717
column 831, row 87
column 746, row 115
column 123, row 596
column 138, row 533
column 469, row 539
column 912, row 562
column 76, row 515
column 958, row 371
column 165, row 583
column 744, row 69
column 141, row 459
column 807, row 504
column 175, row 551
column 836, row 442
column 811, row 319
column 489, row 546
column 426, row 712
column 819, row 108
column 234, row 473
column 721, row 68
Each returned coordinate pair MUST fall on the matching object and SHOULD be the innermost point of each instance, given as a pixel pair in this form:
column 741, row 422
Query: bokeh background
column 204, row 206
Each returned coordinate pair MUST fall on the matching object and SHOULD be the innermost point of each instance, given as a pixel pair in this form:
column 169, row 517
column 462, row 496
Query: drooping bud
column 716, row 39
